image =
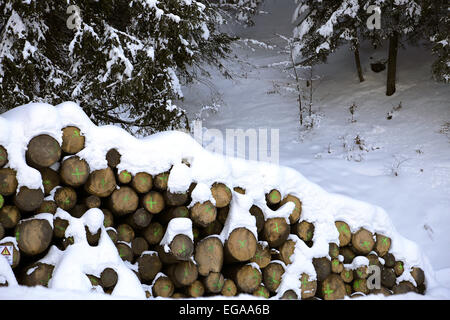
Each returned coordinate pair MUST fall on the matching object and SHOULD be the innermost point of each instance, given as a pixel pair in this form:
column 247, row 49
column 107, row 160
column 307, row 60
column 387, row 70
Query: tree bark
column 392, row 64
column 358, row 62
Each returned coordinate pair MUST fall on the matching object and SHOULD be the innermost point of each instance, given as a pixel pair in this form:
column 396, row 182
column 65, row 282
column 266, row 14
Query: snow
column 176, row 226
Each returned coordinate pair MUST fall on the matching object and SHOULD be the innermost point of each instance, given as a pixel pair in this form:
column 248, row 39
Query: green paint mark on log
column 328, row 291
column 78, row 174
column 242, row 243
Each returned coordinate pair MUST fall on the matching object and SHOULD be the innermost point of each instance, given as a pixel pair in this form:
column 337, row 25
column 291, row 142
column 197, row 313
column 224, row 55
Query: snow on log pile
column 87, row 207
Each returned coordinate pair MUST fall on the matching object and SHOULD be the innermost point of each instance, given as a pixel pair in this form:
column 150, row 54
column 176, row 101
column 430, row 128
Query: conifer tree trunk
column 358, row 62
column 392, row 64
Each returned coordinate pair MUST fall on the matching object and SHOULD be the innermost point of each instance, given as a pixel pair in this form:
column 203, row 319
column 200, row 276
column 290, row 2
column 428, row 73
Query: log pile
column 137, row 210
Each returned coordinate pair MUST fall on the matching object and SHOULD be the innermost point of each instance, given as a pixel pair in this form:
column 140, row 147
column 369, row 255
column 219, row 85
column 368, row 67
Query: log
column 78, row 210
column 153, row 233
column 101, row 183
column 92, row 202
column 229, row 288
column 347, row 275
column 16, row 253
column 47, row 206
column 125, row 252
column 175, row 199
column 203, row 214
column 262, row 256
column 286, row 251
column 373, row 260
column 2, row 201
column 336, row 266
column 149, row 265
column 3, row 157
column 259, row 216
column 239, row 190
column 261, row 291
column 163, row 287
column 112, row 233
column 37, row 274
column 72, row 140
column 333, row 250
column 361, row 272
column 178, row 295
column 348, row 254
column 276, row 231
column 389, row 260
column 74, row 171
column 418, row 275
column 2, row 231
column 222, row 214
column 222, row 194
column 345, row 235
column 294, row 217
column 8, row 182
column 388, row 277
column 113, row 158
column 348, row 289
column 273, row 197
column 398, row 268
column 142, row 182
column 59, row 227
column 184, row 273
column 95, row 281
column 404, row 287
column 195, row 289
column 322, row 267
column 240, row 245
column 139, row 245
column 214, row 282
column 124, row 177
column 272, row 276
column 209, row 255
column 9, row 216
column 140, row 219
column 161, row 181
column 108, row 219
column 28, row 199
column 174, row 212
column 50, row 179
column 181, row 247
column 305, row 231
column 108, row 278
column 92, row 238
column 123, row 201
column 43, row 151
column 289, row 295
column 196, row 233
column 33, row 236
column 362, row 241
column 382, row 244
column 333, row 288
column 248, row 278
column 125, row 233
column 309, row 287
column 360, row 285
column 65, row 198
column 153, row 202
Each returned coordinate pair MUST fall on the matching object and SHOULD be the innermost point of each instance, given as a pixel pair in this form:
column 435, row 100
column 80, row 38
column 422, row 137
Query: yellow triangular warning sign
column 6, row 252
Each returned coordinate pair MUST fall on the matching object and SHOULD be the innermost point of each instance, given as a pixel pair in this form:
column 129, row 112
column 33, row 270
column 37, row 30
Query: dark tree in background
column 123, row 63
column 322, row 26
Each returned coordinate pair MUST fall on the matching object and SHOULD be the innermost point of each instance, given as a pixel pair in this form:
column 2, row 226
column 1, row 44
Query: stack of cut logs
column 137, row 209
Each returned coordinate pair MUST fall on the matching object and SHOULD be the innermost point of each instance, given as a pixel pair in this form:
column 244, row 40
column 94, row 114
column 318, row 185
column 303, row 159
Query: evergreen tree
column 239, row 10
column 123, row 62
column 326, row 25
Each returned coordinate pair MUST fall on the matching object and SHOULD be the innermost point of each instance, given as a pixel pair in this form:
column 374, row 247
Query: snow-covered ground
column 414, row 144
